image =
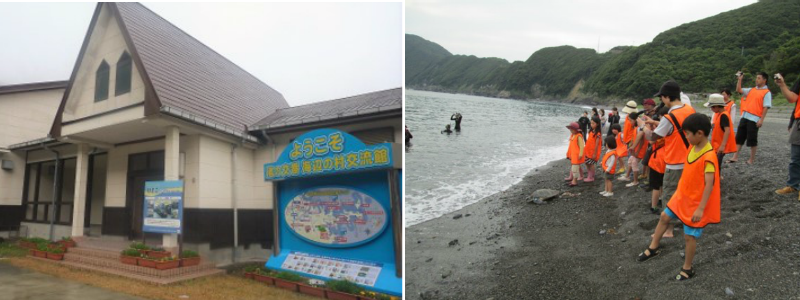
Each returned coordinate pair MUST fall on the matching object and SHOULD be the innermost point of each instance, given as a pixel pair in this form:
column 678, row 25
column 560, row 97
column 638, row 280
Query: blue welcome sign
column 163, row 206
column 327, row 151
column 334, row 210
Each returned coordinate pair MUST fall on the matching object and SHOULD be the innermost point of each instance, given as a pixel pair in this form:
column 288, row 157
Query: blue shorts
column 695, row 232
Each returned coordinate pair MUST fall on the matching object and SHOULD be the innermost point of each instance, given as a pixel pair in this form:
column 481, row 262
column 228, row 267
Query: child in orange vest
column 696, row 202
column 622, row 150
column 575, row 153
column 638, row 148
column 594, row 146
column 722, row 138
column 609, row 164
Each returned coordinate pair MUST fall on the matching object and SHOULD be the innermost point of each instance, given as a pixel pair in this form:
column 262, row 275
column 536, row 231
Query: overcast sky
column 513, row 30
column 307, row 51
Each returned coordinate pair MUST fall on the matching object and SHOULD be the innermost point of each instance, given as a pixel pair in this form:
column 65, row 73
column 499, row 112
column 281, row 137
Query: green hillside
column 702, row 56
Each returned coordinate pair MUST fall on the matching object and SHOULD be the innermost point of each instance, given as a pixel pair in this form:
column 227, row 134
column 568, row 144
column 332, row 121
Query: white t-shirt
column 664, row 129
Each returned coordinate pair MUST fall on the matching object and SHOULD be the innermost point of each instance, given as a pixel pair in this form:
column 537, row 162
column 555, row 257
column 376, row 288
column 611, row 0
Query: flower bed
column 67, row 242
column 333, row 289
column 189, row 258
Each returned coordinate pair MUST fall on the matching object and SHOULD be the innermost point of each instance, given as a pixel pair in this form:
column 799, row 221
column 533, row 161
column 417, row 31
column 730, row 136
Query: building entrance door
column 142, row 167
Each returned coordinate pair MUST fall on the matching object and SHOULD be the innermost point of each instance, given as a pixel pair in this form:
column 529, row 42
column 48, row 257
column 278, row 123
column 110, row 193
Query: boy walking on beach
column 609, row 165
column 696, row 202
column 675, row 143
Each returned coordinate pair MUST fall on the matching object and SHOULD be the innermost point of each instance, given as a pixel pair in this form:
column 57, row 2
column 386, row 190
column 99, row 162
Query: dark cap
column 669, row 89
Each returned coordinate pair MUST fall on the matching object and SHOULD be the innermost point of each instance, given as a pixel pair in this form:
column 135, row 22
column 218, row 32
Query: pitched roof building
column 148, row 102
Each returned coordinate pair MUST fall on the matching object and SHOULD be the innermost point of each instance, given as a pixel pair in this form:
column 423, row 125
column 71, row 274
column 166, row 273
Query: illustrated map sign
column 327, row 151
column 360, row 272
column 163, row 206
column 335, row 216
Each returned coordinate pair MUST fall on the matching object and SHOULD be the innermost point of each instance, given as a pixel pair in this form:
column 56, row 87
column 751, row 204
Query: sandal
column 689, row 272
column 730, row 161
column 653, row 252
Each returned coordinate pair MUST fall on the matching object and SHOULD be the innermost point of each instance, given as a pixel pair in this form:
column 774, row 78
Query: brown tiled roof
column 370, row 104
column 187, row 75
column 33, row 86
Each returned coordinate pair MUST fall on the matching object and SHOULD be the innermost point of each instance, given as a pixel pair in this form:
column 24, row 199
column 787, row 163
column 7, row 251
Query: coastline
column 501, row 247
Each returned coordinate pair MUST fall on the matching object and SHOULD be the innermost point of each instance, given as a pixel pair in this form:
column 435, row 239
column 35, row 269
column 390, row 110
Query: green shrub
column 189, row 254
column 39, row 241
column 250, row 269
column 67, row 239
column 290, row 276
column 131, row 252
column 139, row 246
column 344, row 286
column 158, row 249
column 55, row 249
column 41, row 247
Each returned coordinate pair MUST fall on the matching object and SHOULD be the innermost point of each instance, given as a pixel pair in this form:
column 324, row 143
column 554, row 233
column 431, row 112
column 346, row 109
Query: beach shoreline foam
column 582, row 245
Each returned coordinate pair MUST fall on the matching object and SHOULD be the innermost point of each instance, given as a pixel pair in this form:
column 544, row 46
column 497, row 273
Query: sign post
column 334, row 211
column 163, row 208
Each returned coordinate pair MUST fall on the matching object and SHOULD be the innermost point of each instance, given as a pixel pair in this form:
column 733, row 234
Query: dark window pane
column 46, row 180
column 65, row 215
column 29, row 212
column 42, row 214
column 101, row 82
column 156, row 160
column 138, row 162
column 123, row 82
column 31, row 181
column 68, row 181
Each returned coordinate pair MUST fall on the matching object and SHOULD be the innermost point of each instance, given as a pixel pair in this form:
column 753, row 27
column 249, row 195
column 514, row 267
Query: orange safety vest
column 628, row 131
column 592, row 149
column 674, row 148
column 754, row 102
column 573, row 152
column 728, row 107
column 622, row 149
column 796, row 112
column 690, row 192
column 605, row 159
column 717, row 134
column 640, row 151
column 656, row 161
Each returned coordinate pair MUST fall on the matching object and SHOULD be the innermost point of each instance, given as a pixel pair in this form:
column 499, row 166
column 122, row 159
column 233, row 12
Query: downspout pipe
column 56, row 179
column 234, row 198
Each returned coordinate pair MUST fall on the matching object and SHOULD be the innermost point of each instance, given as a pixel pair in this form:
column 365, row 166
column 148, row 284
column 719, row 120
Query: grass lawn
column 213, row 287
column 11, row 250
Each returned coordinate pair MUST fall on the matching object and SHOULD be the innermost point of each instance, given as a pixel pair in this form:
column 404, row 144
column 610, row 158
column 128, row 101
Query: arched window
column 123, row 84
column 101, row 82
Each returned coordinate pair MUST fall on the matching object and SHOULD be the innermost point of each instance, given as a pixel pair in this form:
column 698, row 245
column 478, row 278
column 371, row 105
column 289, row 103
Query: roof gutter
column 184, row 115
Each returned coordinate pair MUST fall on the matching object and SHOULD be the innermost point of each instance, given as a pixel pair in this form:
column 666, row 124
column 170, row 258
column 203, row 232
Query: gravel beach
column 584, row 246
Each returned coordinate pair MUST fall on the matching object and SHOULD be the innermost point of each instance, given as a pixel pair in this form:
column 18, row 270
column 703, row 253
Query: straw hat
column 715, row 100
column 630, row 107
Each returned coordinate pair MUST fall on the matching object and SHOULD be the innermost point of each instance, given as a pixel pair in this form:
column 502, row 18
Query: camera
column 777, row 76
column 738, row 74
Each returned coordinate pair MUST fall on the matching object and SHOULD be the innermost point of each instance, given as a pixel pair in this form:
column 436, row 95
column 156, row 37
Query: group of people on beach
column 678, row 153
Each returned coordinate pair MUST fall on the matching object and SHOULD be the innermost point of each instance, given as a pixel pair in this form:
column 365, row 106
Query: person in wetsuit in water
column 457, row 117
column 447, row 129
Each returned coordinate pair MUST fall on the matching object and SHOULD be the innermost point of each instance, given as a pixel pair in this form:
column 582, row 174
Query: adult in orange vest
column 793, row 184
column 697, row 200
column 755, row 104
column 722, row 139
column 675, row 143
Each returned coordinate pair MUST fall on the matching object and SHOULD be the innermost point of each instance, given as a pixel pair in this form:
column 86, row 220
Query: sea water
column 500, row 141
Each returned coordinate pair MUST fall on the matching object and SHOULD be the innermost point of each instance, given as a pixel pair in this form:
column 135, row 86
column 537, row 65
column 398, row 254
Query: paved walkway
column 21, row 284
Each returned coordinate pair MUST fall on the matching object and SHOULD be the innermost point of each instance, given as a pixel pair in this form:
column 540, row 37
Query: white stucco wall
column 105, row 43
column 27, row 116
